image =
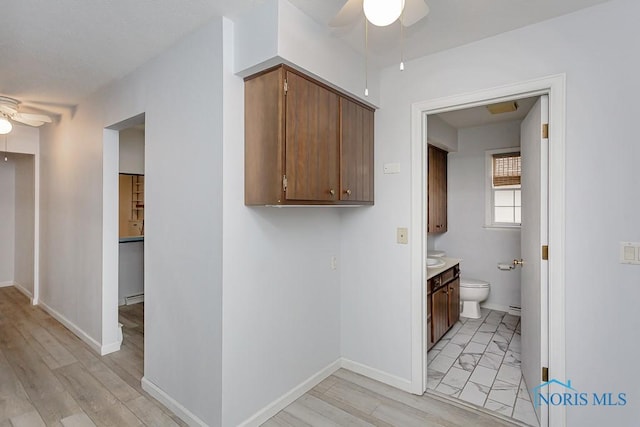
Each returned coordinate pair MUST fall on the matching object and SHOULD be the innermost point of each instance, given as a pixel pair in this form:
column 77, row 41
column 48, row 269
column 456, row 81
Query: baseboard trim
column 183, row 413
column 498, row 307
column 134, row 299
column 95, row 345
column 378, row 375
column 24, row 290
column 515, row 311
column 286, row 399
column 110, row 348
column 6, row 284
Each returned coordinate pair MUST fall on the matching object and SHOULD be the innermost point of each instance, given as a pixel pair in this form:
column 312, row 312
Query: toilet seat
column 466, row 282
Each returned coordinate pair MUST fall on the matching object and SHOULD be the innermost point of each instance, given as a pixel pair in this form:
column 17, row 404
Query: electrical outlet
column 629, row 253
column 403, row 236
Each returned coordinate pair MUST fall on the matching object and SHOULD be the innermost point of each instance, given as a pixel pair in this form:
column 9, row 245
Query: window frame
column 490, row 190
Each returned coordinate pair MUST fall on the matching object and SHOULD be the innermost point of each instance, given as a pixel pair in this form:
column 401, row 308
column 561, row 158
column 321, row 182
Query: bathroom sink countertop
column 448, row 263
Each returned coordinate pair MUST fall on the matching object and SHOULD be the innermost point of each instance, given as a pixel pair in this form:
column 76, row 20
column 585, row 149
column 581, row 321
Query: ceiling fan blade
column 414, row 10
column 31, row 116
column 7, row 109
column 29, row 122
column 350, row 12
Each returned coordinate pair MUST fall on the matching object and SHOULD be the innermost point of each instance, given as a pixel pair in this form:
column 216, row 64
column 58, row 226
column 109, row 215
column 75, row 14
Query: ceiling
column 54, row 53
column 480, row 116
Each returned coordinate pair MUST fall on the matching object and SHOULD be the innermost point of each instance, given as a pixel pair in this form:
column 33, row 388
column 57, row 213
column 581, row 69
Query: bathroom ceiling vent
column 503, row 107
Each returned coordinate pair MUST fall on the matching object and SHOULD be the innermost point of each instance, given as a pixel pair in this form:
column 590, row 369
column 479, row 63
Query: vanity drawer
column 448, row 275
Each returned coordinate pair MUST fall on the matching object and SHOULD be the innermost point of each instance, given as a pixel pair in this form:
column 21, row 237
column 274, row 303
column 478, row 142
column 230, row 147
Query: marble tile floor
column 478, row 362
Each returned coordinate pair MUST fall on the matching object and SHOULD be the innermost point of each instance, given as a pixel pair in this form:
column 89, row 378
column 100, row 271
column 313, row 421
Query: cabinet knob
column 348, row 192
column 332, row 192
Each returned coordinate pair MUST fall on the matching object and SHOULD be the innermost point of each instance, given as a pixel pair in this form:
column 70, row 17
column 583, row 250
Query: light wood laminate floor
column 50, row 377
column 349, row 399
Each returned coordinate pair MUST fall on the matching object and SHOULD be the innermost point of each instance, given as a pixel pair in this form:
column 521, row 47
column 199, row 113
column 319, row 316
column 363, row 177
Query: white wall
column 183, row 241
column 441, row 134
column 275, row 32
column 595, row 48
column 130, row 270
column 131, row 151
column 7, row 215
column 281, row 312
column 480, row 248
column 24, row 220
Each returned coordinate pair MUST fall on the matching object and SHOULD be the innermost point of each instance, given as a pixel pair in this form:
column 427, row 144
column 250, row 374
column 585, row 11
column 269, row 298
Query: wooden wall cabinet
column 437, row 191
column 305, row 143
column 443, row 302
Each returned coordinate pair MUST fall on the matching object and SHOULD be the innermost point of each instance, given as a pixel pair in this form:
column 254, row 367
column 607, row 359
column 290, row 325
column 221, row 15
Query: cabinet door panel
column 439, row 317
column 263, row 138
column 356, row 148
column 312, row 152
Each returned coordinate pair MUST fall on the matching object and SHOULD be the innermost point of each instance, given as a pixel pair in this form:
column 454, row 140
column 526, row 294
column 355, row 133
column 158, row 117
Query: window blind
column 507, row 169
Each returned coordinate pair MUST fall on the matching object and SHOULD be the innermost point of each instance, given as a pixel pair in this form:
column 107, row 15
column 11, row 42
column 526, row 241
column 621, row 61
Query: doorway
column 20, row 228
column 131, row 209
column 478, row 359
column 554, row 88
column 123, row 237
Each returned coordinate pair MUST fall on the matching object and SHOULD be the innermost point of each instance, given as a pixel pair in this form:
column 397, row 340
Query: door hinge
column 286, row 86
column 284, row 182
column 545, row 131
column 545, row 374
column 545, row 252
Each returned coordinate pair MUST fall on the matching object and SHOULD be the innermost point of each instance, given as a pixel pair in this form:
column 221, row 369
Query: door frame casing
column 553, row 86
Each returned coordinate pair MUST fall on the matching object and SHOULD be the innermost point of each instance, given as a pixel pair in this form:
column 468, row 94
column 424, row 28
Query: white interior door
column 534, row 148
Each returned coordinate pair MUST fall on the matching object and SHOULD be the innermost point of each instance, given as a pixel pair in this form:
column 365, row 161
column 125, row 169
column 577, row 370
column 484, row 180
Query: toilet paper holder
column 505, row 266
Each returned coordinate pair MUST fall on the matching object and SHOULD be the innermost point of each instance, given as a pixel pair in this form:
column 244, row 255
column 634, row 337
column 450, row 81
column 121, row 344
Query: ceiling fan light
column 382, row 12
column 5, row 126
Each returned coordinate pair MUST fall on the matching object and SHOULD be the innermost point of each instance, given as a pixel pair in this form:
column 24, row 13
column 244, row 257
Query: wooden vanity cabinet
column 305, row 143
column 443, row 302
column 437, row 190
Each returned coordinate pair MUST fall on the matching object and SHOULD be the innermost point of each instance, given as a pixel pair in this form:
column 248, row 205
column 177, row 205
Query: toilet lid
column 473, row 283
column 436, row 254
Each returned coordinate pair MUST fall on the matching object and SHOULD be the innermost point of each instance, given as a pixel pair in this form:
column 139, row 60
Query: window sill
column 502, row 226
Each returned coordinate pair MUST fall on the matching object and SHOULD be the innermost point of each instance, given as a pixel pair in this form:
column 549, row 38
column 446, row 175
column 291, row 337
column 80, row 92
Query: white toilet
column 472, row 293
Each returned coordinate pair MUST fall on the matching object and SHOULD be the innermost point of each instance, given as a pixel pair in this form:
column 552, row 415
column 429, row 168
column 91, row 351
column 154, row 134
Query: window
column 504, row 206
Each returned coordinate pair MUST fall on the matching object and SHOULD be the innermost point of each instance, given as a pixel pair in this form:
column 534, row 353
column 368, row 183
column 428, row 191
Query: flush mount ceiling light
column 382, row 12
column 5, row 126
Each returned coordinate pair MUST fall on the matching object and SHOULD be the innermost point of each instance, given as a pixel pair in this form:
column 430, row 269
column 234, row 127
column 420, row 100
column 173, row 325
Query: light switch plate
column 630, row 253
column 389, row 168
column 403, row 235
